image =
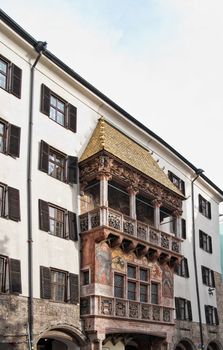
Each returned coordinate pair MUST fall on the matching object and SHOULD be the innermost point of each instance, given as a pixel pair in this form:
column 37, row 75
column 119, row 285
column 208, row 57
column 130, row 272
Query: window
column 10, row 275
column 143, row 275
column 204, row 207
column 183, row 309
column 9, row 139
column 205, row 241
column 154, row 293
column 211, row 314
column 131, row 274
column 57, row 221
column 177, row 181
column 59, row 286
column 86, row 277
column 58, row 109
column 207, row 276
column 10, row 77
column 118, row 286
column 9, row 202
column 57, row 164
column 182, row 268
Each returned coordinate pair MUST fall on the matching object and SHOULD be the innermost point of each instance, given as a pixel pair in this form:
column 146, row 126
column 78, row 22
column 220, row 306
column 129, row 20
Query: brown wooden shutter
column 44, row 156
column 45, row 100
column 74, row 288
column 203, row 275
column 15, row 284
column 186, row 268
column 183, row 229
column 201, row 239
column 216, row 316
column 72, row 117
column 200, row 203
column 44, row 216
column 72, row 223
column 16, row 80
column 189, row 309
column 45, row 282
column 13, row 204
column 210, row 244
column 209, row 210
column 13, row 140
column 206, row 308
column 177, row 307
column 72, row 165
column 212, row 279
column 170, row 175
column 182, row 186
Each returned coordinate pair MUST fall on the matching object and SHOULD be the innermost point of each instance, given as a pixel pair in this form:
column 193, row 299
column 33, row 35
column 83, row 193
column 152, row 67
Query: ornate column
column 132, row 201
column 157, row 204
column 177, row 215
column 103, row 178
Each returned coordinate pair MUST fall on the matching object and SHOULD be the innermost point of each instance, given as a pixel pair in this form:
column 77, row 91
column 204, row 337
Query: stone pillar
column 132, row 201
column 177, row 216
column 103, row 178
column 157, row 204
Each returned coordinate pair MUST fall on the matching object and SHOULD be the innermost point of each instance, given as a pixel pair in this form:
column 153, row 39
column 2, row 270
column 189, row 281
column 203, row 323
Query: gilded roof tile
column 106, row 137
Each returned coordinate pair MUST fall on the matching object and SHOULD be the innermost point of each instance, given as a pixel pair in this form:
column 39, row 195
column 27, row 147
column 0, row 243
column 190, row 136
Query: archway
column 184, row 345
column 213, row 346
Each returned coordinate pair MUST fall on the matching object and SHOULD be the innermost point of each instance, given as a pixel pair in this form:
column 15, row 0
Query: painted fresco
column 120, row 260
column 103, row 264
column 156, row 272
column 167, row 282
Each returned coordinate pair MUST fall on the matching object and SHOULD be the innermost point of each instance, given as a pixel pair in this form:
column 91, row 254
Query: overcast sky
column 161, row 60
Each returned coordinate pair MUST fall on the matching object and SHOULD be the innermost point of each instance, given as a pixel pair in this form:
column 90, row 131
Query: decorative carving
column 133, row 310
column 141, row 231
column 106, row 306
column 175, row 246
column 128, row 227
column 166, row 315
column 95, row 220
column 114, row 221
column 156, row 313
column 165, row 241
column 84, row 223
column 153, row 237
column 145, row 311
column 120, row 308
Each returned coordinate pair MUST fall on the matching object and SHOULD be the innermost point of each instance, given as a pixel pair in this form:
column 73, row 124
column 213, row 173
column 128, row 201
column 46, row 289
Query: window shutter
column 72, row 165
column 189, row 309
column 176, row 268
column 183, row 229
column 13, row 204
column 200, row 203
column 14, row 140
column 209, row 210
column 170, row 175
column 206, row 308
column 216, row 316
column 72, row 223
column 74, row 288
column 201, row 239
column 182, row 186
column 210, row 244
column 43, row 216
column 203, row 275
column 45, row 282
column 45, row 100
column 186, row 268
column 16, row 80
column 15, row 284
column 212, row 279
column 44, row 156
column 177, row 307
column 72, row 117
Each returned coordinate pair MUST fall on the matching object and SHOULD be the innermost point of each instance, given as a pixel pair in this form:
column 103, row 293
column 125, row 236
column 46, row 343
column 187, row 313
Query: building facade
column 109, row 238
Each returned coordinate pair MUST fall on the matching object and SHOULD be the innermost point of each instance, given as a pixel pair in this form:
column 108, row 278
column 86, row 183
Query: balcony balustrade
column 123, row 308
column 104, row 216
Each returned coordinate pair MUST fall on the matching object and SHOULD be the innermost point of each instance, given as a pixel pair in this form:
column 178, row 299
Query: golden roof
column 108, row 138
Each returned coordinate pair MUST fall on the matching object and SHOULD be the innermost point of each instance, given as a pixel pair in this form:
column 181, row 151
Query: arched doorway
column 213, row 346
column 184, row 345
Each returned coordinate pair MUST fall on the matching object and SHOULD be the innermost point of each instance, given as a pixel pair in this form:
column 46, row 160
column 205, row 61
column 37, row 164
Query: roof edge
column 27, row 37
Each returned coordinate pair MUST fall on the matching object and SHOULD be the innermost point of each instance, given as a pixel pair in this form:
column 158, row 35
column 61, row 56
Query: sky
column 160, row 60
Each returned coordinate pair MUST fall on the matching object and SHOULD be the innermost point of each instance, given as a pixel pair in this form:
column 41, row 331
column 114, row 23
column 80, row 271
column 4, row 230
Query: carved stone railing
column 129, row 309
column 116, row 220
